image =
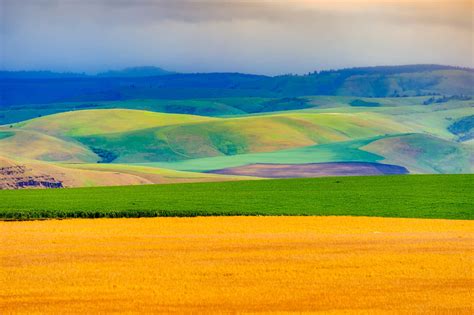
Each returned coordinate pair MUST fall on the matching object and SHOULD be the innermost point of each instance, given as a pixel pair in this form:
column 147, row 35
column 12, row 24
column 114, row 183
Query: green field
column 412, row 196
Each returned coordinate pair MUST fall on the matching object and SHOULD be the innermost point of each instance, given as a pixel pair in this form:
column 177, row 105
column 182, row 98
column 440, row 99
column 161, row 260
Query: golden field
column 245, row 264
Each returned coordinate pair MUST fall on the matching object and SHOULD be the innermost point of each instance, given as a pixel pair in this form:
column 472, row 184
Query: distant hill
column 150, row 83
column 39, row 75
column 387, row 70
column 135, row 72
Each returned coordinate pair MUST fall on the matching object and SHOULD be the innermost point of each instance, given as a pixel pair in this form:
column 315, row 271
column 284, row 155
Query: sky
column 252, row 36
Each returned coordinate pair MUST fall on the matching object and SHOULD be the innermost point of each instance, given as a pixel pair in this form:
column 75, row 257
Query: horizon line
column 171, row 72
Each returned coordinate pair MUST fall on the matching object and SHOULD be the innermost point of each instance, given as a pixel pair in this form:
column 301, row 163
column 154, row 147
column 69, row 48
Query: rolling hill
column 34, row 145
column 95, row 122
column 316, row 136
column 138, row 136
column 242, row 106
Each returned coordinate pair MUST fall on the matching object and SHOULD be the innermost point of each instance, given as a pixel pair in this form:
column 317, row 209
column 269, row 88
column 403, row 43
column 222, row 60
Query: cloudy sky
column 253, row 36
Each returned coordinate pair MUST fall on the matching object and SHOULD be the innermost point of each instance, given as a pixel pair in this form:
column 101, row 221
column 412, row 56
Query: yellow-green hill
column 231, row 136
column 34, row 145
column 95, row 122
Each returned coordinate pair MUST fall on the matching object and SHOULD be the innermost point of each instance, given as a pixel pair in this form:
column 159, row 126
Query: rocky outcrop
column 19, row 176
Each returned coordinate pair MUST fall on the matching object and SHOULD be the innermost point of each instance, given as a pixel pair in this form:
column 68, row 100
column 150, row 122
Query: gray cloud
column 449, row 12
column 252, row 36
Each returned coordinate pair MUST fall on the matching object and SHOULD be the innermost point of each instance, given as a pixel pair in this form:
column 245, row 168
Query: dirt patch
column 313, row 170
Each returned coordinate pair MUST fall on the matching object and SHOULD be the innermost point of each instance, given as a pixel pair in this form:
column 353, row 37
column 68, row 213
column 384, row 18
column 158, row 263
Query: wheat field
column 230, row 264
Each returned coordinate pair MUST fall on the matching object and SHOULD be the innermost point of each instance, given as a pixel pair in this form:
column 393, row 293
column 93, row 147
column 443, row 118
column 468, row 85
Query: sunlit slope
column 34, row 145
column 234, row 136
column 94, row 122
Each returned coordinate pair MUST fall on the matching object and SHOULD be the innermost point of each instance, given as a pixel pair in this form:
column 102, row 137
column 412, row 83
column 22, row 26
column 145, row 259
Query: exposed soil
column 313, row 170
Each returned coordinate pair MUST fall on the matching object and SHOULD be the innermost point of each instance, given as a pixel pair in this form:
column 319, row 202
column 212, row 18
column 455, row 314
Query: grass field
column 413, row 196
column 237, row 264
